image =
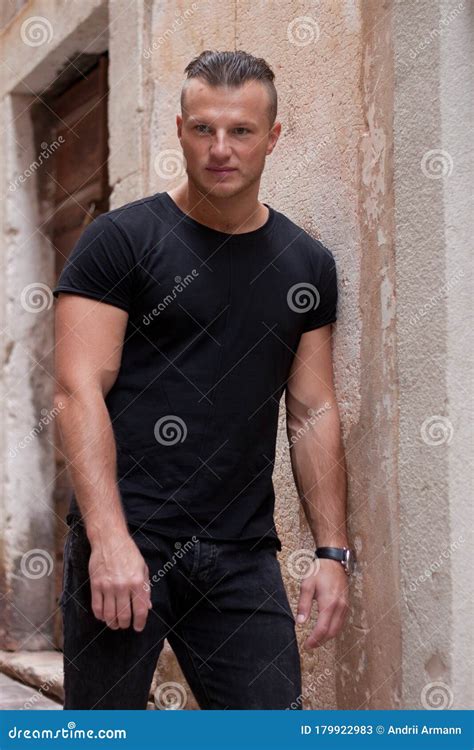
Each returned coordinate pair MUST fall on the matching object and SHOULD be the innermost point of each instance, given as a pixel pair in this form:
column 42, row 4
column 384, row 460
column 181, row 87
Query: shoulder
column 129, row 218
column 127, row 231
column 314, row 250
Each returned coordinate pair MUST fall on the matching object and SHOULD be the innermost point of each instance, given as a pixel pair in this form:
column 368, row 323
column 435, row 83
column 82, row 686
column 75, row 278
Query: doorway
column 75, row 186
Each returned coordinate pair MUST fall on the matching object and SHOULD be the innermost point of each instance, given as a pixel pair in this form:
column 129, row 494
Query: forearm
column 319, row 469
column 89, row 446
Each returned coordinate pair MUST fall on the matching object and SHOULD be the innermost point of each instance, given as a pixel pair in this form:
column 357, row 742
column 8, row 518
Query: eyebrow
column 236, row 125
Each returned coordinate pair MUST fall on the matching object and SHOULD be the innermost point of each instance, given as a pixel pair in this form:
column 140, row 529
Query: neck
column 240, row 213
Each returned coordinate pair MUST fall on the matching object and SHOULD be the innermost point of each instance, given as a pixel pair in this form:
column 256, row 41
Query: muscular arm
column 313, row 429
column 318, row 464
column 89, row 338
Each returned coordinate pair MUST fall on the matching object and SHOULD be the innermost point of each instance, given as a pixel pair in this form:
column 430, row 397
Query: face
column 225, row 136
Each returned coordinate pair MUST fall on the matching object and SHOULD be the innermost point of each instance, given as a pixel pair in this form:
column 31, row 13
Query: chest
column 225, row 290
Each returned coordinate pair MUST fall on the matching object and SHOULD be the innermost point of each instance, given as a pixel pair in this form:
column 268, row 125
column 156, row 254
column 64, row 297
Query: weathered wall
column 359, row 110
column 457, row 112
column 35, row 46
column 28, row 459
column 433, row 194
column 9, row 10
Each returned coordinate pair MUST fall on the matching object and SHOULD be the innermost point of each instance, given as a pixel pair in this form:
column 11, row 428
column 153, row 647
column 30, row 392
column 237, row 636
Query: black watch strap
column 344, row 555
column 333, row 553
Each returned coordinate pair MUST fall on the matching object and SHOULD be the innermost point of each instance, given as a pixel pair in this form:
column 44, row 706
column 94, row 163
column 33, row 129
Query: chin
column 222, row 191
column 207, row 185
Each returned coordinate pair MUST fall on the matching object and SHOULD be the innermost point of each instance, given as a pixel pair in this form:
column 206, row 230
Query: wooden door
column 80, row 191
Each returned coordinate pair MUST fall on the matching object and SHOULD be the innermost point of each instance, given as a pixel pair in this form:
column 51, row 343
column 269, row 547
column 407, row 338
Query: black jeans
column 221, row 605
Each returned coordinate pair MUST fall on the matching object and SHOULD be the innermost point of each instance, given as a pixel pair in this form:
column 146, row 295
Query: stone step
column 42, row 670
column 18, row 697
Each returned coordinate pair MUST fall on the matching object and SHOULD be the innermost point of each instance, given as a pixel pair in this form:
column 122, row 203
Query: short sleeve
column 101, row 265
column 325, row 281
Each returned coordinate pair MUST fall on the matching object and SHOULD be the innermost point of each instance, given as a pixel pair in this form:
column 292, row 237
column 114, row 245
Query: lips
column 221, row 169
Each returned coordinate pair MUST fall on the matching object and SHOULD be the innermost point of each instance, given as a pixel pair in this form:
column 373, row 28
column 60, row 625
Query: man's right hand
column 120, row 585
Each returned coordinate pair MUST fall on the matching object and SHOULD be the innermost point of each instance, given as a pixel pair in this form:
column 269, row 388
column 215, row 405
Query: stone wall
column 367, row 90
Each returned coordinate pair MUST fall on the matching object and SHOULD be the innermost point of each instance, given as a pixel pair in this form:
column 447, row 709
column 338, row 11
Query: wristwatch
column 344, row 555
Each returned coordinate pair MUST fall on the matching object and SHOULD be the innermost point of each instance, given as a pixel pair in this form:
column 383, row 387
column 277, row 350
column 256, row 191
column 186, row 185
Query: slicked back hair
column 232, row 69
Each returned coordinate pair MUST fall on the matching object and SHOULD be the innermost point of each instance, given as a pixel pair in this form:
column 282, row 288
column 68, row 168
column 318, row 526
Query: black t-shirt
column 214, row 322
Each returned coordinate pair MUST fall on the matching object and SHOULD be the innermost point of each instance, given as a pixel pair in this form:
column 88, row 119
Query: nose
column 220, row 148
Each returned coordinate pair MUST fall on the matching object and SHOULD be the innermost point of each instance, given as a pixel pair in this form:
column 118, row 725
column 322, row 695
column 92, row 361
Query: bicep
column 88, row 342
column 311, row 382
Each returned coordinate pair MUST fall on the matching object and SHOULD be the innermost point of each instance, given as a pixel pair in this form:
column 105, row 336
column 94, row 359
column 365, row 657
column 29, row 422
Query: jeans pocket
column 80, row 548
column 76, row 580
column 280, row 592
column 66, row 568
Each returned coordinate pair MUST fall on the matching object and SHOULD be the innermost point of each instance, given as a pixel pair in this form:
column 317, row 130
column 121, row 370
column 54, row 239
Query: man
column 181, row 319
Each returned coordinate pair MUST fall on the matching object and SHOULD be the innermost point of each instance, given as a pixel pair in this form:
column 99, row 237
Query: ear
column 179, row 125
column 273, row 138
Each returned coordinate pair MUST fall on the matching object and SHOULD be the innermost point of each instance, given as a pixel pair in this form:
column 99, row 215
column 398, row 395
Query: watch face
column 350, row 561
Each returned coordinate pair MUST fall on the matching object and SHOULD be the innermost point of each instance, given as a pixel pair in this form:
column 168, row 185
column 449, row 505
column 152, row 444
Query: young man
column 181, row 319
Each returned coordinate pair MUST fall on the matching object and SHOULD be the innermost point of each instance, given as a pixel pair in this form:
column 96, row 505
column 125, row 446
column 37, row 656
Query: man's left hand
column 330, row 587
